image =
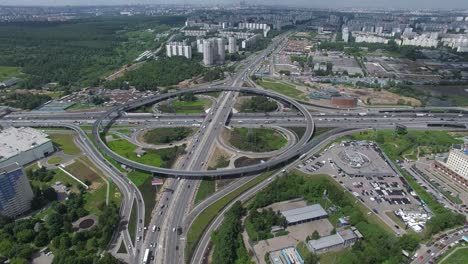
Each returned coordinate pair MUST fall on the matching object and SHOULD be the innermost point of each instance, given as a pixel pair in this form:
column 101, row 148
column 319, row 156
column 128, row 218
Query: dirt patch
column 218, row 152
column 369, row 95
column 85, row 173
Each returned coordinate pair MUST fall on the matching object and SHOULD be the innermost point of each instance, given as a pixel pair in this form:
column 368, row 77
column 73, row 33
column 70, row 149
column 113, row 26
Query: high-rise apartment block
column 232, row 45
column 179, row 49
column 345, row 34
column 15, row 191
column 213, row 51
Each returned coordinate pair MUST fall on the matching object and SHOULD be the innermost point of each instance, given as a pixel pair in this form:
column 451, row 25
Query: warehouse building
column 304, row 214
column 23, row 145
column 15, row 191
column 342, row 239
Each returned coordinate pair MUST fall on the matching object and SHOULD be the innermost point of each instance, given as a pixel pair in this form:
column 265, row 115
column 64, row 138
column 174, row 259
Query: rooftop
column 326, row 242
column 9, row 167
column 16, row 140
column 304, row 213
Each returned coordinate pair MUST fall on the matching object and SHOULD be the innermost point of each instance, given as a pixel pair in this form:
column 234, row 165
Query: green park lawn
column 282, row 88
column 66, row 143
column 257, row 139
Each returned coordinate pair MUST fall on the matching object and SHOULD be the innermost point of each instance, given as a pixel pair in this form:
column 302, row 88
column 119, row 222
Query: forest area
column 78, row 52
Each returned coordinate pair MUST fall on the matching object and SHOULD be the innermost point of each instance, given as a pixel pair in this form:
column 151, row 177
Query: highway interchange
column 174, row 210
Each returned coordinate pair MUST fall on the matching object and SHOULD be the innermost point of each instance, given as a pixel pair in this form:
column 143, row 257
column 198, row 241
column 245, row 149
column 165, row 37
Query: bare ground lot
column 376, row 97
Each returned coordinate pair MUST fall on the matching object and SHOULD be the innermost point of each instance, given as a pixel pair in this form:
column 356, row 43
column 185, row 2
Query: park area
column 256, row 139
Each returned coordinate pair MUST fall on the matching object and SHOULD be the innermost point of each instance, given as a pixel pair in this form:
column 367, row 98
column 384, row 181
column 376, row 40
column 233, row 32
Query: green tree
column 315, row 235
column 42, row 239
column 25, row 236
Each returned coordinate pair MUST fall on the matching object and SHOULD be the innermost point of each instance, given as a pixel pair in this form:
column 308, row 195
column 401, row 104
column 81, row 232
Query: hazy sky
column 417, row 4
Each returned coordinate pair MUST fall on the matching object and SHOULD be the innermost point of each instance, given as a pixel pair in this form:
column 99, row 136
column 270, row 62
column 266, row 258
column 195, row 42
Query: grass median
column 200, row 223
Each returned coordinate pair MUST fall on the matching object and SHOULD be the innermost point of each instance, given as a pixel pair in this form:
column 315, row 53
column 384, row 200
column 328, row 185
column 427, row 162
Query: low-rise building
column 342, row 239
column 304, row 214
column 10, row 82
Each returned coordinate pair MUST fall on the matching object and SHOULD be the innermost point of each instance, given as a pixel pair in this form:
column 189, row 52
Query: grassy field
column 256, row 139
column 66, row 143
column 398, row 146
column 165, row 135
column 187, row 107
column 331, row 257
column 149, row 196
column 7, row 72
column 83, row 172
column 54, row 160
column 282, row 88
column 138, row 177
column 202, row 221
column 126, row 149
column 207, row 187
column 132, row 222
column 459, row 256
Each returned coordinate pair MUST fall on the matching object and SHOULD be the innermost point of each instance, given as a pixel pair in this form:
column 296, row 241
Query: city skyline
column 397, row 4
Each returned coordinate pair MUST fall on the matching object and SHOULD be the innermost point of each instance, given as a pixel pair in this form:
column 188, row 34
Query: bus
column 146, row 256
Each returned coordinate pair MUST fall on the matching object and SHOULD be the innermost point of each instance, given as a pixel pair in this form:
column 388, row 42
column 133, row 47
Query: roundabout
column 106, row 120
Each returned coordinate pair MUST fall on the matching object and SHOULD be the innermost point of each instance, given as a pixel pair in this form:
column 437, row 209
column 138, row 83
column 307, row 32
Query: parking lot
column 361, row 169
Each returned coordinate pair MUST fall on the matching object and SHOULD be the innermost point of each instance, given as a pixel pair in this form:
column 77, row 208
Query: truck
column 153, row 229
column 420, row 114
column 363, row 114
column 146, row 256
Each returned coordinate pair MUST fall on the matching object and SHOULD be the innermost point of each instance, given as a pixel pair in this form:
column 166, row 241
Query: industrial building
column 214, row 51
column 23, row 145
column 304, row 214
column 15, row 191
column 179, row 49
column 342, row 239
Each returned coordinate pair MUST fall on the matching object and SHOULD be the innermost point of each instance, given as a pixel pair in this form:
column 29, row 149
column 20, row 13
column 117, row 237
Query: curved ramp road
column 294, row 151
